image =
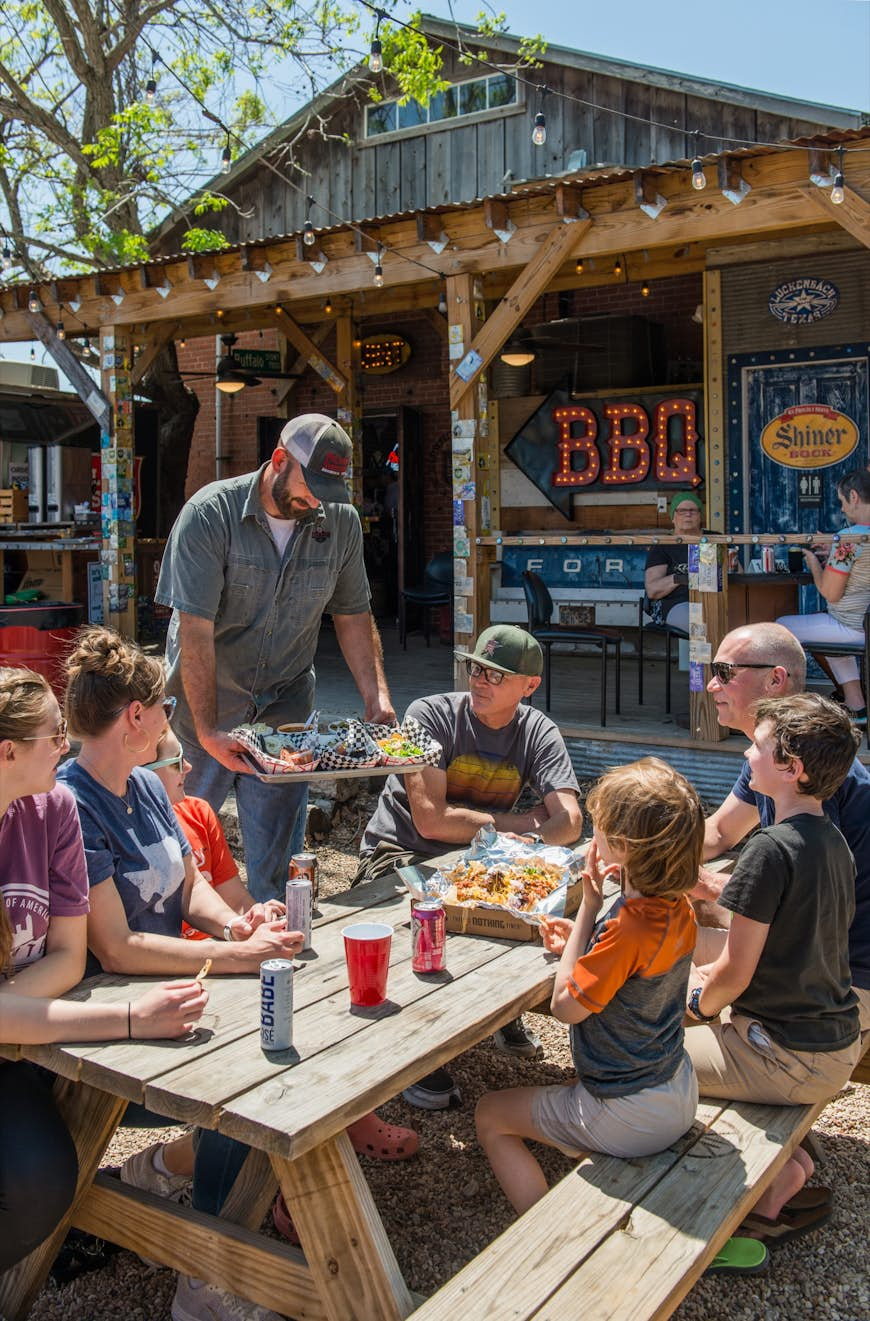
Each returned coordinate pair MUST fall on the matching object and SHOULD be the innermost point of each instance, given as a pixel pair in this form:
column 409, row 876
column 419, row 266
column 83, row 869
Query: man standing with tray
column 493, row 746
column 251, row 565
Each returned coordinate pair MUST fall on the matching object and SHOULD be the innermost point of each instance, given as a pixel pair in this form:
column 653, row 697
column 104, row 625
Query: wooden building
column 637, row 292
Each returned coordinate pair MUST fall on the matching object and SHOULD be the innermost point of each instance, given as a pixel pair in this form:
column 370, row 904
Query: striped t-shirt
column 849, row 557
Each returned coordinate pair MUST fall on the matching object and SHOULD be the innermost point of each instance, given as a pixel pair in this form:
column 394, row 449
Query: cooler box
column 39, row 637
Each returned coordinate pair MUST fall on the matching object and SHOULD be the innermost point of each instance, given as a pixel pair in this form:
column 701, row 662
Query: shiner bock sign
column 647, row 439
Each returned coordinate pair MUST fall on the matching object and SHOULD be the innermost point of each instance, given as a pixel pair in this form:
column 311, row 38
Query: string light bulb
column 579, row 267
column 617, row 266
column 60, row 332
column 379, row 270
column 699, row 178
column 442, row 303
column 838, row 191
column 327, row 306
column 151, row 85
column 309, row 238
column 226, row 157
column 376, row 54
column 32, row 354
column 539, row 132
column 644, row 290
column 33, row 303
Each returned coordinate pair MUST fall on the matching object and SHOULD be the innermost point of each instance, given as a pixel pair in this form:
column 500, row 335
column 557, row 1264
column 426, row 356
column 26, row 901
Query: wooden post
column 708, row 631
column 714, row 404
column 118, row 552
column 463, row 442
column 349, row 411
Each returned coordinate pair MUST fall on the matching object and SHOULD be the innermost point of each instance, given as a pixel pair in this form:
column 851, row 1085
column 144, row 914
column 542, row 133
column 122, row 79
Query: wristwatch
column 694, row 1006
column 536, row 839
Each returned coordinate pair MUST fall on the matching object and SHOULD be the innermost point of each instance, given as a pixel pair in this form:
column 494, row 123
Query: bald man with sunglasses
column 762, row 661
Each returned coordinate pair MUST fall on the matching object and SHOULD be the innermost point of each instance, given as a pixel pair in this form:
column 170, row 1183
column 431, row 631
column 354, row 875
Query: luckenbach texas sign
column 646, row 439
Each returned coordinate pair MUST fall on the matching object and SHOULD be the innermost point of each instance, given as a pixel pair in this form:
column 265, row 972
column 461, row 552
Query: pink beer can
column 428, row 935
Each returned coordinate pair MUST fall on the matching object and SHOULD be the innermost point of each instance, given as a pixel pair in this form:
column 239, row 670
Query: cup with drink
column 367, row 952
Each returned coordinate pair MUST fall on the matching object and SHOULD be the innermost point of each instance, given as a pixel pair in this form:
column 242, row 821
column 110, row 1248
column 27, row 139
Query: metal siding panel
column 712, row 773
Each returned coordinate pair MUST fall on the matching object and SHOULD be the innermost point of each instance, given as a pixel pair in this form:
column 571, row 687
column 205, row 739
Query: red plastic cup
column 367, row 951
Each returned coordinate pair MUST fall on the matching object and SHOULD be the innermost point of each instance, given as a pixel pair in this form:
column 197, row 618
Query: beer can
column 733, row 559
column 768, row 559
column 305, row 864
column 276, row 1004
column 428, row 935
column 299, row 903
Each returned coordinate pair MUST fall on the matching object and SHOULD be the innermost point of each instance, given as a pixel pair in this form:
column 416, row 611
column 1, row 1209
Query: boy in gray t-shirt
column 492, row 747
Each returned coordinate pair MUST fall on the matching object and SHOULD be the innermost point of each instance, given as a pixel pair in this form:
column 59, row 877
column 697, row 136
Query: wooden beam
column 157, row 341
column 714, row 403
column 853, row 213
column 286, row 388
column 349, row 409
column 85, row 386
column 561, row 243
column 303, row 344
column 437, row 322
column 569, row 202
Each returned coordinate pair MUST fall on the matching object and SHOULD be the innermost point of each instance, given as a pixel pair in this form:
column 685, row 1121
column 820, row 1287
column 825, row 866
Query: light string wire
column 540, row 88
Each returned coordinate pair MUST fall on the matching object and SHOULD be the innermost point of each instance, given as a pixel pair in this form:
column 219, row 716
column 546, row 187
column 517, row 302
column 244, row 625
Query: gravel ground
column 449, row 1184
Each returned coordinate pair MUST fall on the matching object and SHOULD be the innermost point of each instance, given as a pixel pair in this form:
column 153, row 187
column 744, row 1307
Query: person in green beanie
column 666, row 576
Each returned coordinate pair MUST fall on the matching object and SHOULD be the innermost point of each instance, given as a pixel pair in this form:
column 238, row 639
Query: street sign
column 258, row 360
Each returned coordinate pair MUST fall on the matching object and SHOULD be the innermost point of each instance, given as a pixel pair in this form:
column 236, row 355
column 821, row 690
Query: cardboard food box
column 44, row 574
column 478, row 919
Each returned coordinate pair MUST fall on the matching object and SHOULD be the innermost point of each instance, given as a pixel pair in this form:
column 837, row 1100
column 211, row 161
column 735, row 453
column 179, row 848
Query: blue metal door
column 775, row 497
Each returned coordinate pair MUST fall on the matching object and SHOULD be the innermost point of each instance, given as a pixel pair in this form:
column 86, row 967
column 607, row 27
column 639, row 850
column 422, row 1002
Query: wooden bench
column 627, row 1239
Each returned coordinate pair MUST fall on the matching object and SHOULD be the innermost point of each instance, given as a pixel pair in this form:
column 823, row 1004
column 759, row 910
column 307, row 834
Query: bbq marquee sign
column 649, row 439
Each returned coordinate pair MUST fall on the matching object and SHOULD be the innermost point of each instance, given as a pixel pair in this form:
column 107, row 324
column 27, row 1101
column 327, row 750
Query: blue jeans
column 216, row 1165
column 271, row 816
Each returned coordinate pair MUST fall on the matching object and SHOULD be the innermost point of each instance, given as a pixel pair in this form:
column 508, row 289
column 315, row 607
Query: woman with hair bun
column 43, row 917
column 141, row 870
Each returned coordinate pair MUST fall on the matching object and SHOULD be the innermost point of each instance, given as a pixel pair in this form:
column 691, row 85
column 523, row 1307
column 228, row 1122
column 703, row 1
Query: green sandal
column 739, row 1256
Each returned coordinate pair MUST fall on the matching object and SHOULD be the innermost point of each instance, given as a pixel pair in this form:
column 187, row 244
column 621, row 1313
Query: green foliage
column 415, row 64
column 203, row 240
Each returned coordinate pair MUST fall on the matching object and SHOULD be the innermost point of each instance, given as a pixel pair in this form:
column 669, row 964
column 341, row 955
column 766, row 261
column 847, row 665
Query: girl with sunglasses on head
column 204, row 832
column 43, row 917
column 144, row 882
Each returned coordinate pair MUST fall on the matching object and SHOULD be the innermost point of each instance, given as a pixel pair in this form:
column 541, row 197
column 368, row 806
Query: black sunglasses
column 725, row 671
column 473, row 670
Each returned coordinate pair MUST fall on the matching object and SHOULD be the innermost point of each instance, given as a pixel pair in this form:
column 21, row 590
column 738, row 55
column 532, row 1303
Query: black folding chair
column 435, row 590
column 670, row 634
column 539, row 604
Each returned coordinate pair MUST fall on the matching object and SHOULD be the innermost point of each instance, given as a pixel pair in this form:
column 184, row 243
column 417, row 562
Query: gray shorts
column 571, row 1118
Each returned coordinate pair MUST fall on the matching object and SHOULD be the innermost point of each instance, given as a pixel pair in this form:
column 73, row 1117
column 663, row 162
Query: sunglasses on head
column 59, row 735
column 168, row 704
column 177, row 762
column 725, row 671
column 474, row 671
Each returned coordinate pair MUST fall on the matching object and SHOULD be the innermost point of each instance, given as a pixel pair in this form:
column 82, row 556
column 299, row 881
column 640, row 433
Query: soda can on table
column 299, row 901
column 276, row 1004
column 305, row 865
column 428, row 935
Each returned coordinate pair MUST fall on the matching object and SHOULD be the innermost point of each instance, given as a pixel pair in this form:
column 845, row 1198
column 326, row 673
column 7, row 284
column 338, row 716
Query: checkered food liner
column 408, row 743
column 265, row 749
column 351, row 750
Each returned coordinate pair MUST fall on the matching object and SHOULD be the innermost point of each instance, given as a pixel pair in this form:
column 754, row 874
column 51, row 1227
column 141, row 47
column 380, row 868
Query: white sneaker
column 138, row 1170
column 197, row 1301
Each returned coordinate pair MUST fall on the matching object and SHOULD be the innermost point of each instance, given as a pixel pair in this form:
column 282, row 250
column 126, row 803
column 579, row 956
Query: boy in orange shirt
column 621, row 985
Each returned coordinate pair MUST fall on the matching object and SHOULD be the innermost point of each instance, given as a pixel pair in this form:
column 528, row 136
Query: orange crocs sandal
column 372, row 1137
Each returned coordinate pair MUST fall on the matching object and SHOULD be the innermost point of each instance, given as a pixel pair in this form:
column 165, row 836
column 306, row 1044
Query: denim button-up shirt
column 221, row 563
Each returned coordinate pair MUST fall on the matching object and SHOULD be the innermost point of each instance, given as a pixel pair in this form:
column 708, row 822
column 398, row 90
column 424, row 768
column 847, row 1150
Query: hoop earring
column 136, row 751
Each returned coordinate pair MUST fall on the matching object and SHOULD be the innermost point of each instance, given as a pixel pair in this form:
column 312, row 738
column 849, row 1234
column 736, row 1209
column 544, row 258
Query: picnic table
column 291, row 1108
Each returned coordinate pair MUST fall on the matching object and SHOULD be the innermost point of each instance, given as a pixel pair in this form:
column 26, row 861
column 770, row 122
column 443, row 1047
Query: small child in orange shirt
column 621, row 985
column 199, row 821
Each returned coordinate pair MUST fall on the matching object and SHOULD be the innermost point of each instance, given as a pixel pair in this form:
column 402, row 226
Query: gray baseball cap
column 324, row 449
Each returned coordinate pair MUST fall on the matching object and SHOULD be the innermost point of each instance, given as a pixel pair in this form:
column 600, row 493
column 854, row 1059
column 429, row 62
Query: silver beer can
column 299, row 900
column 276, row 1004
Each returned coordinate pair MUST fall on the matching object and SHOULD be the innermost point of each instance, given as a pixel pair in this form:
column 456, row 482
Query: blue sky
column 814, row 50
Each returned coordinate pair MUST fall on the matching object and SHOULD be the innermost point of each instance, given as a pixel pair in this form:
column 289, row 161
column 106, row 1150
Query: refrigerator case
column 67, row 481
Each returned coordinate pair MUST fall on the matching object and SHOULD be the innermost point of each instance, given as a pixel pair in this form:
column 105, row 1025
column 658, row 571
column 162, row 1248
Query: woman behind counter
column 844, row 582
column 666, row 577
column 43, row 916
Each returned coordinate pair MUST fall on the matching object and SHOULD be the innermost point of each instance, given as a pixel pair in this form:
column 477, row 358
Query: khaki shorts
column 863, row 1011
column 736, row 1058
column 571, row 1118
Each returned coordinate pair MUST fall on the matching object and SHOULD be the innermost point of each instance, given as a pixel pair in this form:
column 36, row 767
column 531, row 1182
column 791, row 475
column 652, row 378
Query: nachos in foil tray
column 497, row 871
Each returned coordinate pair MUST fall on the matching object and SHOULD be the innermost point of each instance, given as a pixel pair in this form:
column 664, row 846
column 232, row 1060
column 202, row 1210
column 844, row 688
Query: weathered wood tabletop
column 291, row 1108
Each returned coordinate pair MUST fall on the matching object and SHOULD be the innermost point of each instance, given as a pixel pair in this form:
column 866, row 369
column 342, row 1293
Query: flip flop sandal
column 739, row 1256
column 808, row 1199
column 283, row 1222
column 785, row 1228
column 371, row 1137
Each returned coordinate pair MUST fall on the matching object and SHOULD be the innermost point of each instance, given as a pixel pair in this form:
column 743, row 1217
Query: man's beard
column 288, row 506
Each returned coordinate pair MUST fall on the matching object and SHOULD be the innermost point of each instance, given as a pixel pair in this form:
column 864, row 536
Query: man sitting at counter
column 666, row 576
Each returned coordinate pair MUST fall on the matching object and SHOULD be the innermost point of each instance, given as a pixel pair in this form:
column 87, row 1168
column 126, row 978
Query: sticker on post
column 469, row 366
column 702, row 652
column 696, row 677
column 708, row 567
column 463, row 623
